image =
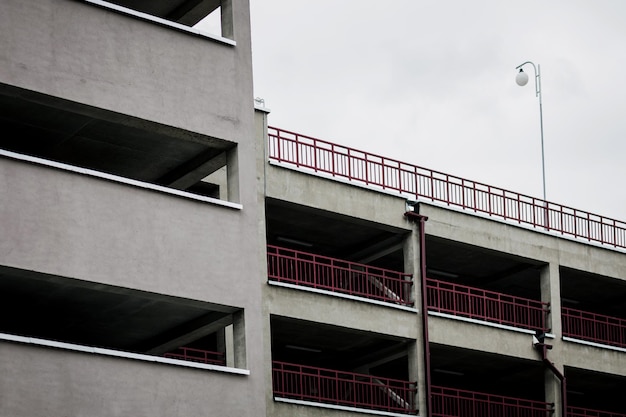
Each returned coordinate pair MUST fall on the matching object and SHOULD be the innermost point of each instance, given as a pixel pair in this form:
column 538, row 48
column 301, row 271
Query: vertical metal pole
column 537, row 70
column 538, row 93
column 546, row 223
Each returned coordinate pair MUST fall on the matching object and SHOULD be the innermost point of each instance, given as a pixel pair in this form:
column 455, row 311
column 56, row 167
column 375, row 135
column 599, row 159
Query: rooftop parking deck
column 361, row 168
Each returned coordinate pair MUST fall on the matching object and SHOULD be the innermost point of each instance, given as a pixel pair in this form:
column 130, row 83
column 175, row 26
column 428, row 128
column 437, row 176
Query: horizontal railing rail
column 585, row 412
column 307, row 383
column 593, row 327
column 421, row 183
column 450, row 402
column 197, row 355
column 336, row 275
column 476, row 303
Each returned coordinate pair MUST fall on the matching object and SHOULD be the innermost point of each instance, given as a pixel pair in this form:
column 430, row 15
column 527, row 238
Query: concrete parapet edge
column 118, row 179
column 119, row 354
column 340, row 295
column 338, row 407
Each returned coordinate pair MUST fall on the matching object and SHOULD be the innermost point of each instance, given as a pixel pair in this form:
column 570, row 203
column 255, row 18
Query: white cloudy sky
column 432, row 83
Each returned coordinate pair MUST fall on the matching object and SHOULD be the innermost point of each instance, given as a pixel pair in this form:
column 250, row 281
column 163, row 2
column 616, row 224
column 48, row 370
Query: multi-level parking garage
column 163, row 252
column 388, row 241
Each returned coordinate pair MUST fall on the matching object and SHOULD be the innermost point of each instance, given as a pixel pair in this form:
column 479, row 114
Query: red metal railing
column 389, row 174
column 449, row 402
column 197, row 355
column 329, row 386
column 460, row 300
column 585, row 412
column 307, row 269
column 593, row 327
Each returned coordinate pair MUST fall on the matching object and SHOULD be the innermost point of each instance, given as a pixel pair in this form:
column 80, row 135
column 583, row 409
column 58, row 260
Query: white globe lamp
column 521, row 78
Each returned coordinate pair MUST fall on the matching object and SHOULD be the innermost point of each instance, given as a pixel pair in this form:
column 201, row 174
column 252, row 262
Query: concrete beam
column 381, row 357
column 186, row 175
column 192, row 12
column 192, row 331
column 380, row 249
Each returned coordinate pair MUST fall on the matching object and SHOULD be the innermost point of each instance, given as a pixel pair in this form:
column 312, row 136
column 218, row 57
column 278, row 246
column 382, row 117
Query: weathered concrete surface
column 480, row 337
column 87, row 54
column 72, row 225
column 39, row 382
column 518, row 241
column 313, row 191
column 341, row 312
column 598, row 359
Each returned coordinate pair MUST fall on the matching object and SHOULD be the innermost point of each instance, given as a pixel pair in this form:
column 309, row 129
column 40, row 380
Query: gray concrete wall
column 72, row 225
column 480, row 337
column 599, row 359
column 91, row 55
column 42, row 382
column 465, row 227
column 309, row 190
column 508, row 238
column 341, row 312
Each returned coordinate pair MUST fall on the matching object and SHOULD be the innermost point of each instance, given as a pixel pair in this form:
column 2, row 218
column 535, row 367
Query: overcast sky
column 432, row 83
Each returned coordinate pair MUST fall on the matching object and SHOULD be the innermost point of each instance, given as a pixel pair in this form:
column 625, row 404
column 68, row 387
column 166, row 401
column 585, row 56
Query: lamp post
column 521, row 79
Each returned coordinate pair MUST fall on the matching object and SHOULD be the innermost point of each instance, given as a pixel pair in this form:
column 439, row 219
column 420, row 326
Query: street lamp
column 522, row 79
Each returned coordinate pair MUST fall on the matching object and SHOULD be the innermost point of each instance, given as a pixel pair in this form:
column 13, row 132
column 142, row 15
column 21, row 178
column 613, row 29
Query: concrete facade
column 87, row 89
column 142, row 216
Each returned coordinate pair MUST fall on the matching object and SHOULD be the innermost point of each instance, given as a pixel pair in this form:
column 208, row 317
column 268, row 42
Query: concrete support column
column 261, row 149
column 239, row 341
column 553, row 389
column 221, row 343
column 225, row 343
column 232, row 173
column 417, row 365
column 551, row 293
column 227, row 19
column 412, row 265
column 416, row 371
